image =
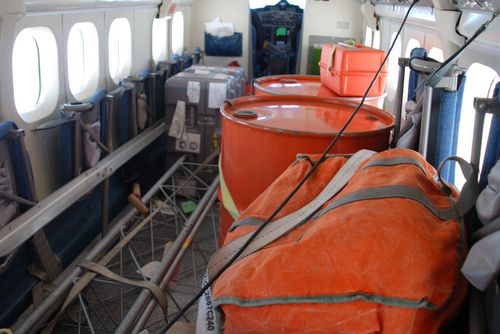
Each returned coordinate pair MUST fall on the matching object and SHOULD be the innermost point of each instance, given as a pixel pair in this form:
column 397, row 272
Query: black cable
column 447, row 62
column 297, row 187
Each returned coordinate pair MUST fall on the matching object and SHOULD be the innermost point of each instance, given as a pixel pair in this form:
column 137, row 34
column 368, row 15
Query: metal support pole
column 426, row 122
column 94, row 137
column 130, row 319
column 398, row 102
column 48, row 306
column 152, row 77
column 477, row 138
column 144, row 317
column 133, row 112
column 45, row 256
column 106, row 185
column 78, row 146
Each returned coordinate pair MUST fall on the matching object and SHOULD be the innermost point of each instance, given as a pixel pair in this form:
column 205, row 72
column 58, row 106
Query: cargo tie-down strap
column 105, row 272
column 227, row 199
column 281, row 226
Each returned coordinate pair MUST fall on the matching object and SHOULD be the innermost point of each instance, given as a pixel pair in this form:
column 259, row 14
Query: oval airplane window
column 178, row 33
column 120, row 49
column 368, row 37
column 35, row 73
column 393, row 67
column 159, row 39
column 437, row 54
column 412, row 44
column 83, row 60
column 376, row 40
column 481, row 81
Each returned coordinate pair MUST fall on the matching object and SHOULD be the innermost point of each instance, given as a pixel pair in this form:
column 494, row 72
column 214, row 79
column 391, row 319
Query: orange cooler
column 349, row 70
column 308, row 85
column 262, row 135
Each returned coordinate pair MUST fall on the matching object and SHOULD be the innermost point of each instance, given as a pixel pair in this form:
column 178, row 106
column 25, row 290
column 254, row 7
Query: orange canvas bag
column 382, row 255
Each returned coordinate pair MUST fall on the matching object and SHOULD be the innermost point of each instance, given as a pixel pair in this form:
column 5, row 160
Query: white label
column 178, row 121
column 216, row 94
column 193, row 91
column 201, row 72
column 207, row 320
column 221, row 76
column 190, row 142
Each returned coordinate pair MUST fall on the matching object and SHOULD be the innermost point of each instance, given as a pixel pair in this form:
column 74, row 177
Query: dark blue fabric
column 160, row 95
column 104, row 122
column 144, row 73
column 448, row 121
column 97, row 97
column 187, row 60
column 230, row 46
column 492, row 153
column 66, row 152
column 18, row 163
column 22, row 181
column 123, row 121
column 413, row 81
column 176, row 67
column 5, row 127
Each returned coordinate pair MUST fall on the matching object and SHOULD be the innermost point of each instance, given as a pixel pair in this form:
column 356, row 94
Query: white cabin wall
column 142, row 47
column 41, row 146
column 187, row 12
column 235, row 11
column 59, row 17
column 322, row 18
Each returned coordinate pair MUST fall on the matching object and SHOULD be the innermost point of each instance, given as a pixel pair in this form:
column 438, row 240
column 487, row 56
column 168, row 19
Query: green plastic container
column 315, row 58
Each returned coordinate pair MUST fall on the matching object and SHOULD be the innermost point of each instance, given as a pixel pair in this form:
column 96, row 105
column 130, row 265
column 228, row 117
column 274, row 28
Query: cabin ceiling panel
column 63, row 5
column 423, row 16
column 471, row 21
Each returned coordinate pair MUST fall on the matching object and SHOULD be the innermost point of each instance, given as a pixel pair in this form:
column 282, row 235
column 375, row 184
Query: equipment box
column 203, row 95
column 237, row 72
column 348, row 70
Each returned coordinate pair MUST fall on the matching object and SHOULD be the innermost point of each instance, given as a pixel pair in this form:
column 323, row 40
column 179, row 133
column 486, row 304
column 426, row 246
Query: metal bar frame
column 47, row 307
column 24, row 226
column 142, row 229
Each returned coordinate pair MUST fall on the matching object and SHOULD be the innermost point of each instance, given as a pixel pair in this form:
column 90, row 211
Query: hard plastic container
column 308, row 85
column 237, row 72
column 261, row 136
column 348, row 70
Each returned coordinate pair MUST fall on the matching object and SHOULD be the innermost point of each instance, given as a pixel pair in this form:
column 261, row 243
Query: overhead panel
column 422, row 3
column 476, row 5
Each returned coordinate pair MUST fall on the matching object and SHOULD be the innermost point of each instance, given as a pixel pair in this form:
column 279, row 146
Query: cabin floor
column 104, row 303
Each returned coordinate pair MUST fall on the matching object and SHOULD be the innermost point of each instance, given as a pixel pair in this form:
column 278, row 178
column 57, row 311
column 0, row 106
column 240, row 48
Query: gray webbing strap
column 390, row 191
column 281, row 226
column 470, row 191
column 393, row 161
column 247, row 221
column 105, row 272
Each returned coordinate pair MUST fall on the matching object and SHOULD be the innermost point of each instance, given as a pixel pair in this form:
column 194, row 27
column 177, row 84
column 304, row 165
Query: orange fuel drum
column 262, row 135
column 382, row 256
column 305, row 85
